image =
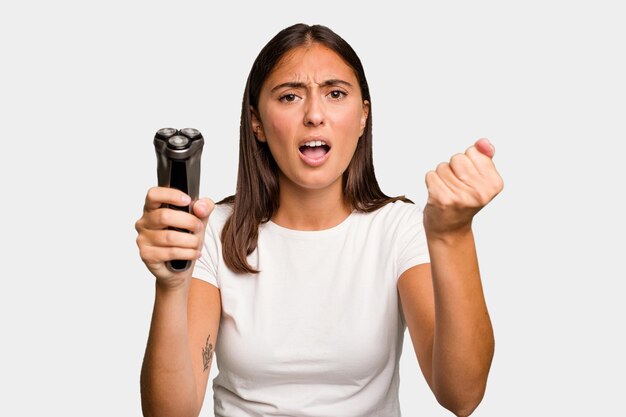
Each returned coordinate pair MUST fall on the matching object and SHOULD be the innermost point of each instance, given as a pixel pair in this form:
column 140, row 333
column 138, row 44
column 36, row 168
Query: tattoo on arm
column 207, row 354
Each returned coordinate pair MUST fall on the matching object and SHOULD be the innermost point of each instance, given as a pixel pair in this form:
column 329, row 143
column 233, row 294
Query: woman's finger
column 153, row 255
column 448, row 177
column 485, row 147
column 463, row 169
column 170, row 238
column 164, row 218
column 158, row 196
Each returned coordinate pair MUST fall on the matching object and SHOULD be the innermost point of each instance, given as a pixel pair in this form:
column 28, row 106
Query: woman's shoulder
column 392, row 215
column 221, row 212
column 223, row 208
column 399, row 209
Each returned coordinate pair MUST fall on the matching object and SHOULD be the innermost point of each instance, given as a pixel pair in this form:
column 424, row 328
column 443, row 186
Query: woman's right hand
column 157, row 244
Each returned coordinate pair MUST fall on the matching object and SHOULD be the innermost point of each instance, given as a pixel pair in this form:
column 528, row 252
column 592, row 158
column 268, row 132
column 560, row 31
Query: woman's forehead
column 310, row 64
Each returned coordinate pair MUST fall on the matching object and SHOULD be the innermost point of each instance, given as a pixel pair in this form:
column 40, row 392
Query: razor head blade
column 178, row 139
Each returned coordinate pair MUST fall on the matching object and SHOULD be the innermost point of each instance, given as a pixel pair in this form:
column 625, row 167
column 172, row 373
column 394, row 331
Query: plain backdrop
column 84, row 86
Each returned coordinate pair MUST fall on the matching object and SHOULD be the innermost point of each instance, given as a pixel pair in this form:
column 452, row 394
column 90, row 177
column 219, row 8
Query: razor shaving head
column 190, row 132
column 177, row 142
column 165, row 133
column 178, row 139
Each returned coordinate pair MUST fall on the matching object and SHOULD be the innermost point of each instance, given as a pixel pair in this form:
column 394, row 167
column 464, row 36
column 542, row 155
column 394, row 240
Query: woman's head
column 257, row 194
column 310, row 114
column 255, row 156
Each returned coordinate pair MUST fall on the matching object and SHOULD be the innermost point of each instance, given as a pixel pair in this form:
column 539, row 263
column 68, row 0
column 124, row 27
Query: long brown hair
column 256, row 197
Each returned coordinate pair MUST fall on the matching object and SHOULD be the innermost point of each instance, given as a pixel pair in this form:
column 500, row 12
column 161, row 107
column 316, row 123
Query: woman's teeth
column 313, row 143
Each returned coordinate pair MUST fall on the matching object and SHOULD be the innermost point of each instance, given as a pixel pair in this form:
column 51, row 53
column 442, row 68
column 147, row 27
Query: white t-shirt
column 319, row 331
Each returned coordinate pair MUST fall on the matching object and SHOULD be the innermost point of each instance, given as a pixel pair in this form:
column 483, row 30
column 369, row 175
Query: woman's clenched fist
column 158, row 243
column 458, row 189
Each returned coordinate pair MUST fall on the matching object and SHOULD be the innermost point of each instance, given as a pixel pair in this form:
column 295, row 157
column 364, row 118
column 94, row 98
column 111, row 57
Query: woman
column 309, row 272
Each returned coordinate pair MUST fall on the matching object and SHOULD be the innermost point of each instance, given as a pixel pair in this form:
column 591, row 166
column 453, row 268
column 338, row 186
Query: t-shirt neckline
column 310, row 234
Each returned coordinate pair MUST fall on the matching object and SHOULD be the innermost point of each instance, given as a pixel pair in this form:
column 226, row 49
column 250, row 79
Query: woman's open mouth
column 314, row 152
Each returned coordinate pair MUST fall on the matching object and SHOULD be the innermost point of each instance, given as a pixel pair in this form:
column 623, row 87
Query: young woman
column 309, row 275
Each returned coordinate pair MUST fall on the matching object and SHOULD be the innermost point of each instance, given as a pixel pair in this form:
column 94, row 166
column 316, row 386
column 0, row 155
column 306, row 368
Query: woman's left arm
column 444, row 305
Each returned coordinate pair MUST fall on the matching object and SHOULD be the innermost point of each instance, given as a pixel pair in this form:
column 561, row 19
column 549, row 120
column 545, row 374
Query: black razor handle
column 178, row 166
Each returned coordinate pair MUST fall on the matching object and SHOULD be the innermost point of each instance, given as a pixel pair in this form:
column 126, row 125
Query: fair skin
column 313, row 94
column 186, row 312
column 443, row 301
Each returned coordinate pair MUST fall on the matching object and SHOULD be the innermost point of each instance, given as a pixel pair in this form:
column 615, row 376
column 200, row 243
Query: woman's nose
column 314, row 111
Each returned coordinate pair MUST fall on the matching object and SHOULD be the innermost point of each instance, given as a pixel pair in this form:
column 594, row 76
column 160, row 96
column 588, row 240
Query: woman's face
column 311, row 114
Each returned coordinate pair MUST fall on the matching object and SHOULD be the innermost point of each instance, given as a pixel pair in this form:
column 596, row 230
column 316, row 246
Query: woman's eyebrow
column 335, row 82
column 296, row 84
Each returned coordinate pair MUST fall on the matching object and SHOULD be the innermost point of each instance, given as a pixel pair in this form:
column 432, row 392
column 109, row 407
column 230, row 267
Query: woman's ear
column 257, row 126
column 364, row 115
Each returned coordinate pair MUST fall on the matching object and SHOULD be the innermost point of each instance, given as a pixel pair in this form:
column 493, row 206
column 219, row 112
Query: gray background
column 84, row 86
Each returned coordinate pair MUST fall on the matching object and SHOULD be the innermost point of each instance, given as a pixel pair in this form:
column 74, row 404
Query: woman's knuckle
column 170, row 253
column 429, row 178
column 169, row 238
column 143, row 253
column 458, row 200
column 443, row 201
column 499, row 184
column 164, row 217
column 483, row 197
column 152, row 192
column 457, row 159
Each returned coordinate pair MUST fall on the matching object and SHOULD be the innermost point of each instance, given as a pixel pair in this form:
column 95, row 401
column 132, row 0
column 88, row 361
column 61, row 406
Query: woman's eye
column 335, row 94
column 288, row 98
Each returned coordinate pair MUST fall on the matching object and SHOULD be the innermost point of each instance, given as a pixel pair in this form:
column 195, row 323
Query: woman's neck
column 305, row 209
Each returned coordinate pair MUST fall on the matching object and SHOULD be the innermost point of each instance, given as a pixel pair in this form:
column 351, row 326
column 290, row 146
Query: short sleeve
column 207, row 266
column 411, row 245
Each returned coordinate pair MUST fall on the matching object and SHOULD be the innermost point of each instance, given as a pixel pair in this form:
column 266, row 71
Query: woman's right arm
column 186, row 313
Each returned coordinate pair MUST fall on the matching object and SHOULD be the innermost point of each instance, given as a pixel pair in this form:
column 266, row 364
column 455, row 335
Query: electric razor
column 178, row 166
